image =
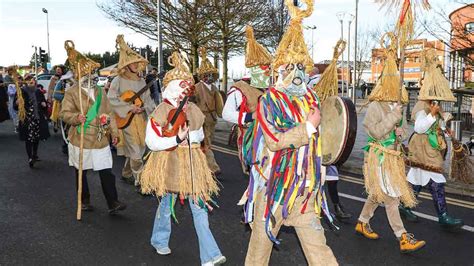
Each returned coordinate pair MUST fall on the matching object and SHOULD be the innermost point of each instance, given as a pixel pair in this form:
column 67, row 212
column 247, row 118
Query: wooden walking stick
column 81, row 152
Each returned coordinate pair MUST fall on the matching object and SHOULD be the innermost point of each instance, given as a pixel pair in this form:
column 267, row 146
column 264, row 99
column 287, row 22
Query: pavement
column 38, row 225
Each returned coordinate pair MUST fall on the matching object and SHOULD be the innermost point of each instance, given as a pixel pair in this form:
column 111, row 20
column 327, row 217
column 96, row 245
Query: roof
column 457, row 10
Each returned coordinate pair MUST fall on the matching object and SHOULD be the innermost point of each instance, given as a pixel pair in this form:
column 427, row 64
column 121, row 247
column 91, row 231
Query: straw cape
column 292, row 48
column 434, row 85
column 128, row 56
column 327, row 85
column 206, row 66
column 255, row 53
column 179, row 72
column 388, row 85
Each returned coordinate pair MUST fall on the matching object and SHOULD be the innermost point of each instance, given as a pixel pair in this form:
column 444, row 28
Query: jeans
column 208, row 249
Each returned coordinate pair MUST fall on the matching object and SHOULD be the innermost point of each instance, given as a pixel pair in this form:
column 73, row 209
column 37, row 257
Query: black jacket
column 43, row 121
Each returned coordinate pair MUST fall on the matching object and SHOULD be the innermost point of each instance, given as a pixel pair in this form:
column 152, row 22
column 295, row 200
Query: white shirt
column 230, row 112
column 418, row 176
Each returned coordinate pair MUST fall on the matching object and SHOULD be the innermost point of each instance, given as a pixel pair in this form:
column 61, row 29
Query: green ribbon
column 384, row 143
column 92, row 112
column 433, row 136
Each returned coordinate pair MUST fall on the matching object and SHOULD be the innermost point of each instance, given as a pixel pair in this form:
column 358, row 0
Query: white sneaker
column 163, row 251
column 217, row 261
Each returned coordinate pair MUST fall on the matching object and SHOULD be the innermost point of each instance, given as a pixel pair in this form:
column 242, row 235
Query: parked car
column 44, row 80
column 102, row 81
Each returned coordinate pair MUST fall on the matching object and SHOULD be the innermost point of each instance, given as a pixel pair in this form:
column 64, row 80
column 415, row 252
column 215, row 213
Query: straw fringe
column 13, row 72
column 393, row 164
column 255, row 53
column 327, row 86
column 155, row 180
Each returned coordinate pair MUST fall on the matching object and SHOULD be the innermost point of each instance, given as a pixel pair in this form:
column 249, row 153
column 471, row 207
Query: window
column 470, row 27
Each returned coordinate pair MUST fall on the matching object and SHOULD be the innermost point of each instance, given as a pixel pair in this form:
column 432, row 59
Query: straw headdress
column 327, row 85
column 255, row 53
column 128, row 56
column 388, row 85
column 78, row 62
column 179, row 72
column 292, row 48
column 206, row 66
column 434, row 85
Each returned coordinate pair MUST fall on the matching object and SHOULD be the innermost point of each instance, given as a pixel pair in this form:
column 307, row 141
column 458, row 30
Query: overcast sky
column 23, row 24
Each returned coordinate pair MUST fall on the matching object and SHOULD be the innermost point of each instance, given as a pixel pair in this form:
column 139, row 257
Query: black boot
column 340, row 213
column 86, row 203
column 407, row 214
column 449, row 222
column 116, row 207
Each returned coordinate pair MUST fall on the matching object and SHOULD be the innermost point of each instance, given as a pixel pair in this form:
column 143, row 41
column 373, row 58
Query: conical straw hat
column 206, row 66
column 387, row 88
column 179, row 72
column 255, row 53
column 292, row 48
column 327, row 85
column 434, row 85
column 128, row 56
column 78, row 62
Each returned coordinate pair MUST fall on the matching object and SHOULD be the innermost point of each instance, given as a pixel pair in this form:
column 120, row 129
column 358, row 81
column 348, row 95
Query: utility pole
column 47, row 32
column 351, row 17
column 160, row 43
column 340, row 16
column 355, row 50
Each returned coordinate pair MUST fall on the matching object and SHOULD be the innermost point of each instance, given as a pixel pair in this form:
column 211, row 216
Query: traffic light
column 43, row 56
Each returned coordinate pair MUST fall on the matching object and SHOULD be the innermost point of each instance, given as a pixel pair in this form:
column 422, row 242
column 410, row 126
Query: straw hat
column 179, row 72
column 255, row 53
column 434, row 85
column 387, row 88
column 292, row 48
column 78, row 62
column 128, row 56
column 206, row 66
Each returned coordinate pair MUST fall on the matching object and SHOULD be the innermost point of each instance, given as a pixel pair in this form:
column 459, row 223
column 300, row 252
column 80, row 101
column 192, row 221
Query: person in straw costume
column 427, row 146
column 384, row 167
column 99, row 128
column 129, row 68
column 209, row 100
column 242, row 99
column 181, row 173
column 287, row 186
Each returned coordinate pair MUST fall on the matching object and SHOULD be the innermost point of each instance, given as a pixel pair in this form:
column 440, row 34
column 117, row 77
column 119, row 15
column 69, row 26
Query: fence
column 462, row 109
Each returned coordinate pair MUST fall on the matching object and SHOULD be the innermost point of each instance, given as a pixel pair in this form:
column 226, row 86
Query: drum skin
column 338, row 129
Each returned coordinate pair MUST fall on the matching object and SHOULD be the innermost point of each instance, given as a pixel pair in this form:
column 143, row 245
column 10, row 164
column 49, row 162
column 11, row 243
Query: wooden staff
column 81, row 151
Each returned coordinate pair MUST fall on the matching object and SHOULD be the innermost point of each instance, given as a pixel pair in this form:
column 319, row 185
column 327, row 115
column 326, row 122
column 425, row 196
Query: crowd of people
column 166, row 137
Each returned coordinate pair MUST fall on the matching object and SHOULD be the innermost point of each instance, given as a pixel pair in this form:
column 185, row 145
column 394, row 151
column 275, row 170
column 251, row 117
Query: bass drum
column 338, row 129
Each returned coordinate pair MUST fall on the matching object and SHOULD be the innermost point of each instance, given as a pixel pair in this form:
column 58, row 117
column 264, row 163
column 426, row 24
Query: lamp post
column 352, row 92
column 355, row 50
column 340, row 17
column 160, row 45
column 312, row 28
column 47, row 32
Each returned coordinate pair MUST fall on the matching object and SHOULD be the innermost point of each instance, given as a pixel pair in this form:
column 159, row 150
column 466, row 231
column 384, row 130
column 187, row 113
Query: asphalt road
column 38, row 226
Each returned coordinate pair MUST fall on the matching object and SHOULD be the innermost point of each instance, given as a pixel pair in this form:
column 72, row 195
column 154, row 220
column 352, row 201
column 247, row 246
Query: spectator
column 3, row 101
column 35, row 125
column 155, row 90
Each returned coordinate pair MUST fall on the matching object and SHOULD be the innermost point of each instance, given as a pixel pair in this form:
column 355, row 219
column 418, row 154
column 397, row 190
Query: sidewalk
column 354, row 164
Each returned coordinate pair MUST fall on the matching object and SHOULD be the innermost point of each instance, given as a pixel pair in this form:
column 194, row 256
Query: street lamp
column 47, row 32
column 355, row 50
column 340, row 17
column 312, row 28
column 351, row 18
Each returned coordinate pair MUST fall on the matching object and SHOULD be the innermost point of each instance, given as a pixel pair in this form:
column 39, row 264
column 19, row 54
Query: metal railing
column 461, row 109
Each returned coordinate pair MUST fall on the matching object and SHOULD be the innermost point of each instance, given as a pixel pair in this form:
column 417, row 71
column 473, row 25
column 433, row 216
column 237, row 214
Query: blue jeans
column 208, row 249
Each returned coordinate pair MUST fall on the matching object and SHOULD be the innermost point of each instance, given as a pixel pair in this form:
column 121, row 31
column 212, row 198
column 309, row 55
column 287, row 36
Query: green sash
column 433, row 136
column 92, row 112
column 384, row 143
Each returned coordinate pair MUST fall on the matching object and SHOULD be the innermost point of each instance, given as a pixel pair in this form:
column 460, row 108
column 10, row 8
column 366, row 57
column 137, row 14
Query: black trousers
column 107, row 180
column 332, row 189
column 32, row 149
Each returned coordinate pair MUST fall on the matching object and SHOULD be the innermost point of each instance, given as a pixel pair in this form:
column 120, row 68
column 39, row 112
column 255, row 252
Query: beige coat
column 422, row 154
column 380, row 120
column 70, row 111
column 206, row 101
